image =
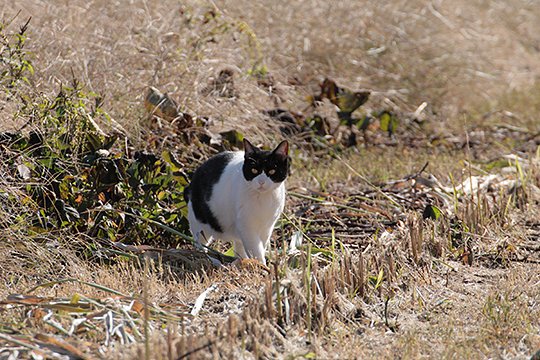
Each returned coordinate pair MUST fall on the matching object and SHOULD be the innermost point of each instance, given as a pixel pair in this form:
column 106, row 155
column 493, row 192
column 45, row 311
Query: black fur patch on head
column 274, row 163
column 202, row 183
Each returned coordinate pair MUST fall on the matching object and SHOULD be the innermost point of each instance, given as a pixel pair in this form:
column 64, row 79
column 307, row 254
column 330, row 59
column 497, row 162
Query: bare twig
column 61, row 281
column 193, row 351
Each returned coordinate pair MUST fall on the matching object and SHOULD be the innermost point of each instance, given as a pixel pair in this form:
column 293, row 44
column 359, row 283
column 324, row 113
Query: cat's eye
column 271, row 172
column 254, row 171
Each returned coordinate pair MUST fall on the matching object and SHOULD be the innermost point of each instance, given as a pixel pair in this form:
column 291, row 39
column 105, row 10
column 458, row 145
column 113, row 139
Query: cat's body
column 238, row 197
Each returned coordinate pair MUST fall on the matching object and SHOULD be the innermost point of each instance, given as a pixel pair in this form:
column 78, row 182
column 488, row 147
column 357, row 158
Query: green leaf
column 346, row 100
column 385, row 118
column 432, row 212
column 75, row 299
column 94, row 141
column 325, row 252
column 171, row 159
column 30, row 68
column 389, row 122
column 376, row 281
column 379, row 279
column 363, row 124
column 233, row 137
column 229, row 252
column 181, row 178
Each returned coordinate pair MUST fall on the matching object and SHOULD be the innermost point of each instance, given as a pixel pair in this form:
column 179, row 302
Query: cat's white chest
column 262, row 209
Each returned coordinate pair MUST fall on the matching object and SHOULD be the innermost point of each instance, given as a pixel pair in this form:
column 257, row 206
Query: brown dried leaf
column 160, row 104
column 24, row 299
column 58, row 344
column 138, row 307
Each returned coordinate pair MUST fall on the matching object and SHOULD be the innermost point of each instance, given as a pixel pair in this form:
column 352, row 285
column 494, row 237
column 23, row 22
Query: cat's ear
column 282, row 149
column 249, row 148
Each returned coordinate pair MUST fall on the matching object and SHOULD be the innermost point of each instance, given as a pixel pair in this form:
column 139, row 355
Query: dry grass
column 388, row 283
column 451, row 55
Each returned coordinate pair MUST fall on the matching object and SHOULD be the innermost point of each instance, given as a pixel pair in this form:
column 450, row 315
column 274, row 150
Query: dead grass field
column 356, row 270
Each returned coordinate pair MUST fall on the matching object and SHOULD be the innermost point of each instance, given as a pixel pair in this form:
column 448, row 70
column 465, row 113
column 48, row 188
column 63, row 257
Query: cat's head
column 265, row 170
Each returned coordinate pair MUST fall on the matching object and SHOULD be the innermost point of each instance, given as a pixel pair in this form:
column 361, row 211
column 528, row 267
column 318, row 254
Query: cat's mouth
column 262, row 188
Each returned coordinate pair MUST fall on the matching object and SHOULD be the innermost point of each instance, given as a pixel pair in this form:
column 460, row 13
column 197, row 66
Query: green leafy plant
column 78, row 180
column 14, row 63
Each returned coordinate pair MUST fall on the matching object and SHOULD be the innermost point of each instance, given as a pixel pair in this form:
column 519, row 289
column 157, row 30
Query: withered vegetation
column 412, row 223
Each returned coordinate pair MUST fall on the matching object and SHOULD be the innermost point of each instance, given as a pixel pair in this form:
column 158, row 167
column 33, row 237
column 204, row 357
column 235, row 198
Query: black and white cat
column 238, row 197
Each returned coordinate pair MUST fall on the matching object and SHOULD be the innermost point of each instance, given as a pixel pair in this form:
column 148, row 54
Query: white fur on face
column 262, row 183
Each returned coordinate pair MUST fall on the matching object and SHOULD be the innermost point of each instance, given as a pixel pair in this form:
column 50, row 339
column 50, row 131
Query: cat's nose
column 260, row 181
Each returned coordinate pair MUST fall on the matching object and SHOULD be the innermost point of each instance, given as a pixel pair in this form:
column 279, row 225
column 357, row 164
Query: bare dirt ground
column 420, row 242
